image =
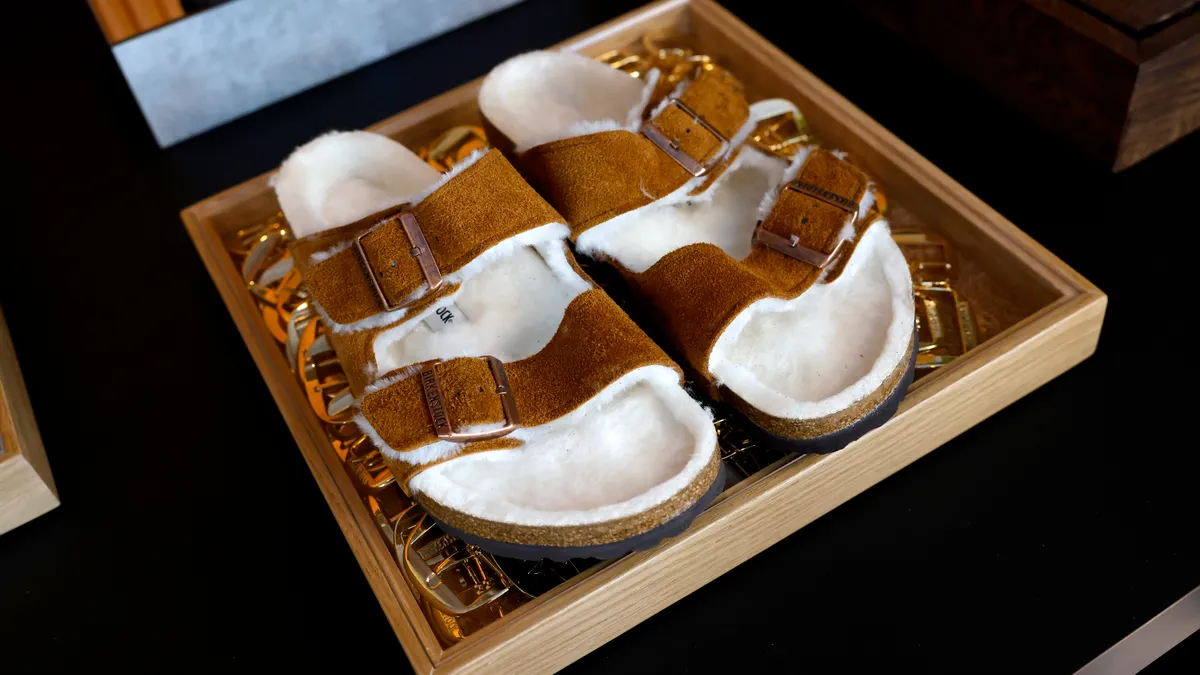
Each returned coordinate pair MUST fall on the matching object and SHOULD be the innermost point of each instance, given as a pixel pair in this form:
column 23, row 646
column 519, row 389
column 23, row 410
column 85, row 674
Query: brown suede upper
column 593, row 178
column 595, row 344
column 697, row 290
column 485, row 204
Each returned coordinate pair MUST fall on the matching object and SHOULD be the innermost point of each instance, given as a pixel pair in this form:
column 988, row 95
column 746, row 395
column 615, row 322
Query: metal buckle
column 791, row 246
column 671, row 146
column 420, row 251
column 437, row 409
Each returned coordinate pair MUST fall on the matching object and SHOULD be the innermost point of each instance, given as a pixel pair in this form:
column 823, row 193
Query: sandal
column 776, row 283
column 513, row 400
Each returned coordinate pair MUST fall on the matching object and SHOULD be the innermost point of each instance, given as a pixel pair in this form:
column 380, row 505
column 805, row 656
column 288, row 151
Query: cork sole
column 615, row 549
column 836, row 440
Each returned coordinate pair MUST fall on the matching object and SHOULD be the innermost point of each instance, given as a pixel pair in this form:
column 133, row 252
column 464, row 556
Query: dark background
column 192, row 535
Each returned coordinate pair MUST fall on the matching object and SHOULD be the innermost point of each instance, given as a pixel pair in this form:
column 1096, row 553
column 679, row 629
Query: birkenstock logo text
column 818, row 192
column 433, row 397
column 446, row 316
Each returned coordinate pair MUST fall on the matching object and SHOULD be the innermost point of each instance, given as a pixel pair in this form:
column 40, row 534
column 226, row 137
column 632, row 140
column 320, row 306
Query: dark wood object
column 1119, row 79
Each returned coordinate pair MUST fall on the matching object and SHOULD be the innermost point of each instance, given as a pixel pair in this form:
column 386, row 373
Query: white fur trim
column 635, row 444
column 539, row 97
column 383, row 383
column 512, row 309
column 423, row 455
column 724, row 215
column 771, row 196
column 831, row 346
column 360, row 173
column 458, row 168
column 342, row 176
column 630, row 448
column 804, row 358
column 322, row 256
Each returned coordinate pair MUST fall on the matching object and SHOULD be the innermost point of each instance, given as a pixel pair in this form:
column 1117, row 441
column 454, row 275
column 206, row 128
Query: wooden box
column 1118, row 79
column 26, row 486
column 1037, row 317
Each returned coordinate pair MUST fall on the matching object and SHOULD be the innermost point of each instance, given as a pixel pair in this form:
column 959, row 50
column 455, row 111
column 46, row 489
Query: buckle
column 671, row 146
column 790, row 246
column 419, row 250
column 437, row 407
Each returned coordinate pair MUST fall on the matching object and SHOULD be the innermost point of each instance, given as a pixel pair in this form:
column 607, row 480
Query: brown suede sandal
column 514, row 401
column 776, row 283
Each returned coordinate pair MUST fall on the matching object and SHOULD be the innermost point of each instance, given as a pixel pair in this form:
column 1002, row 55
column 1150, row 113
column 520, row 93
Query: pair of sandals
column 513, row 399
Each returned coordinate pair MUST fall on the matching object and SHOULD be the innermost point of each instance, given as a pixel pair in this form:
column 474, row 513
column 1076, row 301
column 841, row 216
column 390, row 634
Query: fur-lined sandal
column 777, row 283
column 514, row 400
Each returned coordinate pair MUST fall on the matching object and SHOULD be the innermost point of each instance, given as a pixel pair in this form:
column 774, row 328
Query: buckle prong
column 419, row 251
column 790, row 246
column 671, row 145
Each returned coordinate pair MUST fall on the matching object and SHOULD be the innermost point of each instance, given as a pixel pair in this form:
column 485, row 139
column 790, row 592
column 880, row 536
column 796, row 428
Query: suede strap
column 595, row 344
column 595, row 177
column 815, row 223
column 697, row 290
column 472, row 212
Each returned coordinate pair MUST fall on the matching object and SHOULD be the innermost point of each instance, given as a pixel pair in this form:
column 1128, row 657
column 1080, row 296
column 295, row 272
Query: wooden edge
column 1171, row 37
column 23, row 437
column 27, row 487
column 23, row 494
column 615, row 33
column 551, row 595
column 1078, row 20
column 638, row 586
column 426, row 110
column 207, row 208
column 114, row 20
column 399, row 604
column 900, row 154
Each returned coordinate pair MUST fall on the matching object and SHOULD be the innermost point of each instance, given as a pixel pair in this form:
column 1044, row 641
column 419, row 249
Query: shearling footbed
column 809, row 358
column 632, row 457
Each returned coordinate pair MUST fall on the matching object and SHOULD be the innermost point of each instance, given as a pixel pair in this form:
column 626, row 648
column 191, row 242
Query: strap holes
column 803, row 221
column 481, row 390
column 394, row 263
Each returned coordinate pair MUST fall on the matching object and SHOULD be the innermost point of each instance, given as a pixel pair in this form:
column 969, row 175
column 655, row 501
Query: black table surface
column 192, row 535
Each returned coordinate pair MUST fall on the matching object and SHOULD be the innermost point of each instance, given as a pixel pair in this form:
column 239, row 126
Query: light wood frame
column 587, row 611
column 26, row 486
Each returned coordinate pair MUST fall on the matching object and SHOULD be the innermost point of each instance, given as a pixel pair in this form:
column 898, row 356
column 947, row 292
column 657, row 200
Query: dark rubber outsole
column 845, row 436
column 615, row 549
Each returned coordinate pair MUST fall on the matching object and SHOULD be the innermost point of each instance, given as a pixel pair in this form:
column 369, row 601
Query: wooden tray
column 26, row 486
column 1049, row 320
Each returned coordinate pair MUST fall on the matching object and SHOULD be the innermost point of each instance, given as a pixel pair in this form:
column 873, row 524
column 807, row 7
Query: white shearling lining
column 510, row 311
column 342, row 176
column 631, row 447
column 540, row 97
column 804, row 358
column 724, row 215
column 827, row 348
